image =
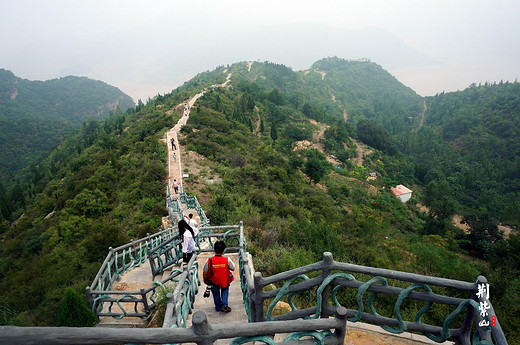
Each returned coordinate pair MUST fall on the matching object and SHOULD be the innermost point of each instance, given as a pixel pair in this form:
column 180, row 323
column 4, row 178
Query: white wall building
column 404, row 194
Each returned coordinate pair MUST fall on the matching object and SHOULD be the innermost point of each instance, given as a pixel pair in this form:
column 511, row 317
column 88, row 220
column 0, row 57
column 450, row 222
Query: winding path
column 422, row 117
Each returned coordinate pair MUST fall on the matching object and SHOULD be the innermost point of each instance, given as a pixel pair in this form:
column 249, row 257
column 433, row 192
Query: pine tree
column 74, row 311
column 274, row 132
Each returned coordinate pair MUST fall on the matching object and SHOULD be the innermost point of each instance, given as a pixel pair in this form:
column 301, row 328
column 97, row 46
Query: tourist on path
column 173, row 145
column 183, row 226
column 175, row 186
column 193, row 223
column 188, row 244
column 217, row 269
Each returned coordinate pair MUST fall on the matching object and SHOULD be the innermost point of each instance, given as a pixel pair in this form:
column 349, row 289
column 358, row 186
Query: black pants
column 186, row 257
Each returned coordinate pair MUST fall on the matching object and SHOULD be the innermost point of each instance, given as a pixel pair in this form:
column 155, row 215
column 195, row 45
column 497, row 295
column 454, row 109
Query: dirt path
column 345, row 115
column 258, row 121
column 317, row 142
column 361, row 151
column 249, row 64
column 323, row 74
column 228, row 79
column 422, row 117
column 175, row 171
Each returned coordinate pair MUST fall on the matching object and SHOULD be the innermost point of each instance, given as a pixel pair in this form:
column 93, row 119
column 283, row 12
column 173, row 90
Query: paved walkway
column 238, row 312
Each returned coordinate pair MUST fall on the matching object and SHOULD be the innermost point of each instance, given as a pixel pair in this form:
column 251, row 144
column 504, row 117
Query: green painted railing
column 119, row 260
column 333, row 280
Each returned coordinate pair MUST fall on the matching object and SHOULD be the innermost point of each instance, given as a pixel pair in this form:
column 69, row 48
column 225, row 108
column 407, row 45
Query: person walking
column 217, row 270
column 193, row 223
column 174, row 156
column 173, row 145
column 183, row 226
column 188, row 245
column 175, row 186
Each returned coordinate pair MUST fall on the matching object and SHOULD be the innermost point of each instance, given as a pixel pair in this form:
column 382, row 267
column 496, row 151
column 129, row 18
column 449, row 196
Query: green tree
column 316, row 166
column 274, row 132
column 441, row 206
column 74, row 311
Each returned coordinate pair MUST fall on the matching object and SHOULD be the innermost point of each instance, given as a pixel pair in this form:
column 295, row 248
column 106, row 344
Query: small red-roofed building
column 404, row 194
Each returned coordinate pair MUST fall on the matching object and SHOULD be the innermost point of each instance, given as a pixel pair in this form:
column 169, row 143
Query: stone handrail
column 180, row 303
column 336, row 276
column 165, row 255
column 246, row 279
column 173, row 207
column 119, row 260
column 201, row 333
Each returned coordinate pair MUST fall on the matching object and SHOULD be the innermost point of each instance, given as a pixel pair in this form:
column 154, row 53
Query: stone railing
column 119, row 260
column 179, row 304
column 192, row 202
column 201, row 333
column 173, row 207
column 165, row 255
column 230, row 234
column 332, row 284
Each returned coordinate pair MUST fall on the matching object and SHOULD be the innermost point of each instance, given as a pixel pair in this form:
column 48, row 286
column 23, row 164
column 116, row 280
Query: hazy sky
column 150, row 47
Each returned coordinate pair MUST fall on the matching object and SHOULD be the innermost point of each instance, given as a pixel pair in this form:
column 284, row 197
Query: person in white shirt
column 188, row 242
column 193, row 223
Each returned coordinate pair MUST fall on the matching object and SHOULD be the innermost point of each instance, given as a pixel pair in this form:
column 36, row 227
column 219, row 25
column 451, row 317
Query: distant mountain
column 366, row 91
column 36, row 115
column 471, row 138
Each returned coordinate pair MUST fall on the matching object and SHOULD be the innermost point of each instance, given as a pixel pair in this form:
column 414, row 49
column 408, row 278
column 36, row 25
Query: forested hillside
column 477, row 133
column 265, row 183
column 35, row 116
column 101, row 187
column 276, row 151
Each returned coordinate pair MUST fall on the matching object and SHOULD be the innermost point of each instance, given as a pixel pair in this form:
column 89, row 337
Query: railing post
column 341, row 314
column 91, row 300
column 202, row 328
column 484, row 335
column 326, row 309
column 135, row 252
column 258, row 298
column 465, row 334
column 170, row 311
column 498, row 333
column 145, row 301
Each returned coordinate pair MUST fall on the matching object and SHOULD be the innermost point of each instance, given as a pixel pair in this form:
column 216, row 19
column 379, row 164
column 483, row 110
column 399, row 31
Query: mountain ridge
column 36, row 115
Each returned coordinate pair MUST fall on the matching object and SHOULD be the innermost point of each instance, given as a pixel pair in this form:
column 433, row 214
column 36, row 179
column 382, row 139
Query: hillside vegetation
column 275, row 152
column 35, row 116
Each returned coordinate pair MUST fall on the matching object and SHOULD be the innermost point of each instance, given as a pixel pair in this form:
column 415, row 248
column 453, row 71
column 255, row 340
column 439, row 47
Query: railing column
column 170, row 312
column 465, row 335
column 341, row 314
column 258, row 298
column 326, row 309
column 91, row 300
column 135, row 251
column 496, row 329
column 202, row 328
column 145, row 302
